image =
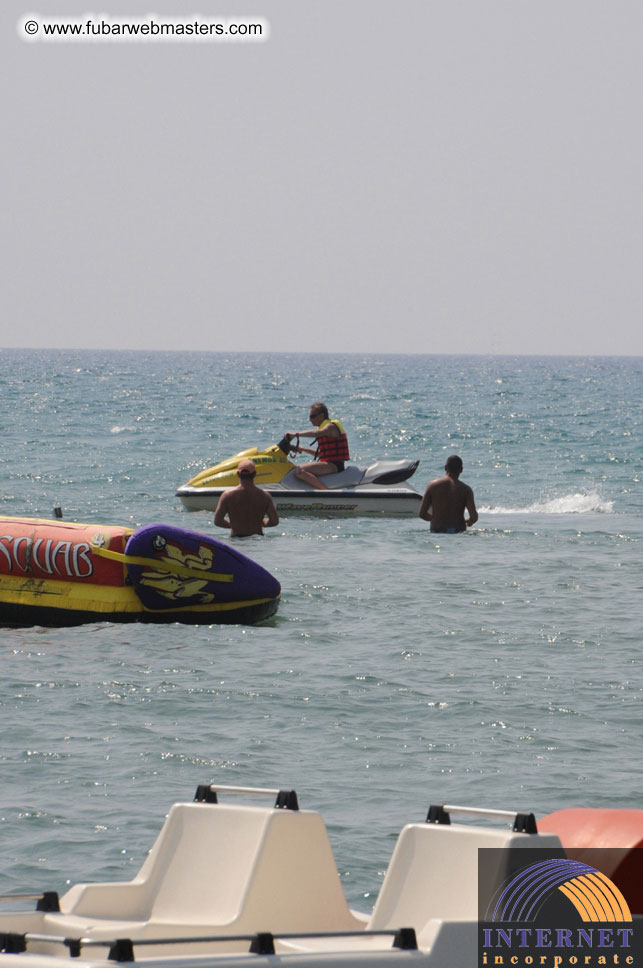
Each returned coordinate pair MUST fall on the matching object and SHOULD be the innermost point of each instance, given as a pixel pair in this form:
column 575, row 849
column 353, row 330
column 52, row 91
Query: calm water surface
column 499, row 668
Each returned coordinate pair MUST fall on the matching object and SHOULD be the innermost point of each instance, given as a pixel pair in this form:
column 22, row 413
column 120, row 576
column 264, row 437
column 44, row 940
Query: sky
column 413, row 177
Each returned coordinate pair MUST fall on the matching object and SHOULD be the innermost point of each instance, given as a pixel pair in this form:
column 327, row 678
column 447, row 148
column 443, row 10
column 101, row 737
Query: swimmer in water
column 246, row 509
column 446, row 499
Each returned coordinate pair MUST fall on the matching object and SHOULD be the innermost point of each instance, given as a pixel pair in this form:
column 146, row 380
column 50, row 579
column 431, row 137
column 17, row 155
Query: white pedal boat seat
column 214, row 868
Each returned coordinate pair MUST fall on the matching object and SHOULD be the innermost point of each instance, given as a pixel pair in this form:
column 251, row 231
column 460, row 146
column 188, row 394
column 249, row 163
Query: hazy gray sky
column 385, row 177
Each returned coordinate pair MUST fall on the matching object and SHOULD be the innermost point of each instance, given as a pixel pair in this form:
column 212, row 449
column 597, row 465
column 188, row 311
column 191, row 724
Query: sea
column 500, row 668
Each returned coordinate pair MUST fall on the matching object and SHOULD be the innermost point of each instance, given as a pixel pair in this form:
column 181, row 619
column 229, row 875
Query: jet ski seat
column 349, row 477
column 385, row 472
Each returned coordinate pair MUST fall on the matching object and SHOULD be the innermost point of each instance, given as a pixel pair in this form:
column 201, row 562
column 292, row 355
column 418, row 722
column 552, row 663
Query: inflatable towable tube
column 608, row 838
column 55, row 573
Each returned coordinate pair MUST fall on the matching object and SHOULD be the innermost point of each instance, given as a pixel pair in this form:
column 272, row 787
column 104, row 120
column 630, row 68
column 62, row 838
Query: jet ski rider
column 332, row 447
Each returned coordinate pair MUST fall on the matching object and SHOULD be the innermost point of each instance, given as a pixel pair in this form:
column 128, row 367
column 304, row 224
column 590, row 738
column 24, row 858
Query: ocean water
column 501, row 668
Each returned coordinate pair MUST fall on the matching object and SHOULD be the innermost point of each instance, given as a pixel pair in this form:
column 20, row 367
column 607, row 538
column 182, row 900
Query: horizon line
column 372, row 353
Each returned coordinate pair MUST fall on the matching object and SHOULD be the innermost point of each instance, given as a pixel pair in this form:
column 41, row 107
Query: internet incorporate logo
column 593, row 895
column 556, row 913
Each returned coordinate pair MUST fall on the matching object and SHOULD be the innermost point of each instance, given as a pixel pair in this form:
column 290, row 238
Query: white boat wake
column 578, row 503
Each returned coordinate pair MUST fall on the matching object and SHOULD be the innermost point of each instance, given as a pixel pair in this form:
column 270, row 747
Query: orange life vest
column 333, row 448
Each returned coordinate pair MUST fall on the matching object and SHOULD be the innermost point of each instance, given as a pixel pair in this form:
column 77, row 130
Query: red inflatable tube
column 60, row 551
column 618, row 834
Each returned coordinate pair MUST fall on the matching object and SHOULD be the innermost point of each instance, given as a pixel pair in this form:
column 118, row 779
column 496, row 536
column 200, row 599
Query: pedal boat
column 55, row 573
column 380, row 488
column 228, row 885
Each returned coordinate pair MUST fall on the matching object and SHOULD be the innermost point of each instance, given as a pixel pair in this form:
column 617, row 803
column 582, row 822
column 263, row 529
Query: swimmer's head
column 246, row 469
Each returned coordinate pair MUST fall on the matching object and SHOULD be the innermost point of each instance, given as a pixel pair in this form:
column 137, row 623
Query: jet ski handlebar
column 286, row 445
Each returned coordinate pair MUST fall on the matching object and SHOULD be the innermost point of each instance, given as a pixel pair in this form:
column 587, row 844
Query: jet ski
column 380, row 488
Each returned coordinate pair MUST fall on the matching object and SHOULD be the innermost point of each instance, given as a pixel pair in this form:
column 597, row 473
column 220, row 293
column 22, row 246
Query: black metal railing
column 261, row 943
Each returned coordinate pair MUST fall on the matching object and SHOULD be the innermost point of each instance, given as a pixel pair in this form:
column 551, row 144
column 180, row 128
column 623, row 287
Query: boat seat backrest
column 236, row 868
column 185, row 863
column 433, row 872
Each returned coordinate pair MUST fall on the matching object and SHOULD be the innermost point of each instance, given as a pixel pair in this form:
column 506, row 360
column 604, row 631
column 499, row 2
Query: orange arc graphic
column 581, row 902
column 596, row 898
